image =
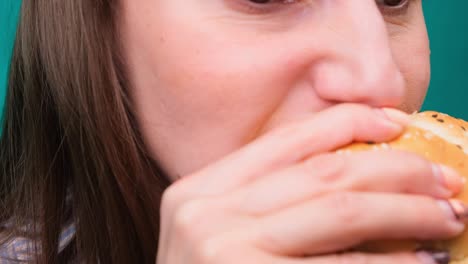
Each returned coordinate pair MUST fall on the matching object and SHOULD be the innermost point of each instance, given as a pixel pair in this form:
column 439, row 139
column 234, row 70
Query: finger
column 325, row 131
column 381, row 171
column 363, row 258
column 347, row 219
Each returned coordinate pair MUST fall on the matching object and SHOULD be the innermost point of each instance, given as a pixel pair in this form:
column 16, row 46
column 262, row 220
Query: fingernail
column 460, row 210
column 455, row 216
column 448, row 177
column 397, row 116
column 433, row 257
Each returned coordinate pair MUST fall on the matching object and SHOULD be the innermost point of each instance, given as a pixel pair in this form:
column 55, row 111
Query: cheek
column 201, row 92
column 221, row 80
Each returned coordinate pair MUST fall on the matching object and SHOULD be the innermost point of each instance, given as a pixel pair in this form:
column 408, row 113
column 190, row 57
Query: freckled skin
column 209, row 77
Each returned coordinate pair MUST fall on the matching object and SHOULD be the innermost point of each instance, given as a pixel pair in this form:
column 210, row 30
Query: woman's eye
column 262, row 6
column 387, row 7
column 388, row 3
column 271, row 1
column 393, row 7
column 393, row 3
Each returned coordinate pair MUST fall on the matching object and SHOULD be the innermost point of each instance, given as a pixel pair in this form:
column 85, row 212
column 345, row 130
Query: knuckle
column 346, row 206
column 169, row 198
column 209, row 251
column 174, row 196
column 186, row 217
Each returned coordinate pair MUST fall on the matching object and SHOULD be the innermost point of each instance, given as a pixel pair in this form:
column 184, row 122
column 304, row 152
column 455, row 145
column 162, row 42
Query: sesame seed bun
column 439, row 138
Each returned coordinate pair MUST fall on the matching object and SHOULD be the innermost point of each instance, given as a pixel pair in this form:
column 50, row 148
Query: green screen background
column 8, row 17
column 448, row 31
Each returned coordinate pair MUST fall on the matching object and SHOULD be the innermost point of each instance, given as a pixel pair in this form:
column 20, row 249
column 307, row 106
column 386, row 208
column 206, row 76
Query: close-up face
column 209, row 76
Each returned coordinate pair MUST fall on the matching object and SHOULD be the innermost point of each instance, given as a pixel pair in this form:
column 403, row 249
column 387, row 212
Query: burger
column 439, row 138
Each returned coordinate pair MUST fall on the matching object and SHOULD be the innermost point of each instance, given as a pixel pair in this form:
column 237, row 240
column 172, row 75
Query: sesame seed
column 428, row 135
column 440, row 120
column 434, row 115
column 407, row 136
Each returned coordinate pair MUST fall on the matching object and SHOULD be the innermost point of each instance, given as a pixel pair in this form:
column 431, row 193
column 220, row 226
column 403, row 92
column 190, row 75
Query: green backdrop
column 8, row 17
column 448, row 30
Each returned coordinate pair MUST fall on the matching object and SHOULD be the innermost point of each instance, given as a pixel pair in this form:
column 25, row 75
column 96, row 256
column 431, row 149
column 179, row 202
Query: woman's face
column 209, row 76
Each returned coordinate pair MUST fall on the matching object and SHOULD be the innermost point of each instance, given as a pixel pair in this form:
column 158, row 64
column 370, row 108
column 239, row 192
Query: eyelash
column 249, row 7
column 397, row 10
column 277, row 5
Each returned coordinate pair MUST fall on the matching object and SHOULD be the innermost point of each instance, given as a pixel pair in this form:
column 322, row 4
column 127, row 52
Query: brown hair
column 69, row 129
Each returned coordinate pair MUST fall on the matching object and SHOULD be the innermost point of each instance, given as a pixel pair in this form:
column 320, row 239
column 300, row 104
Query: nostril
column 374, row 85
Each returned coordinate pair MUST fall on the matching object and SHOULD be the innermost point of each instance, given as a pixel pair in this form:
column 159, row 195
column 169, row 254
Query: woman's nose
column 357, row 64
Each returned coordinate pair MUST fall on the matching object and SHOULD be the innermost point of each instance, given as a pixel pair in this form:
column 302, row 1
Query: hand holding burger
column 442, row 139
